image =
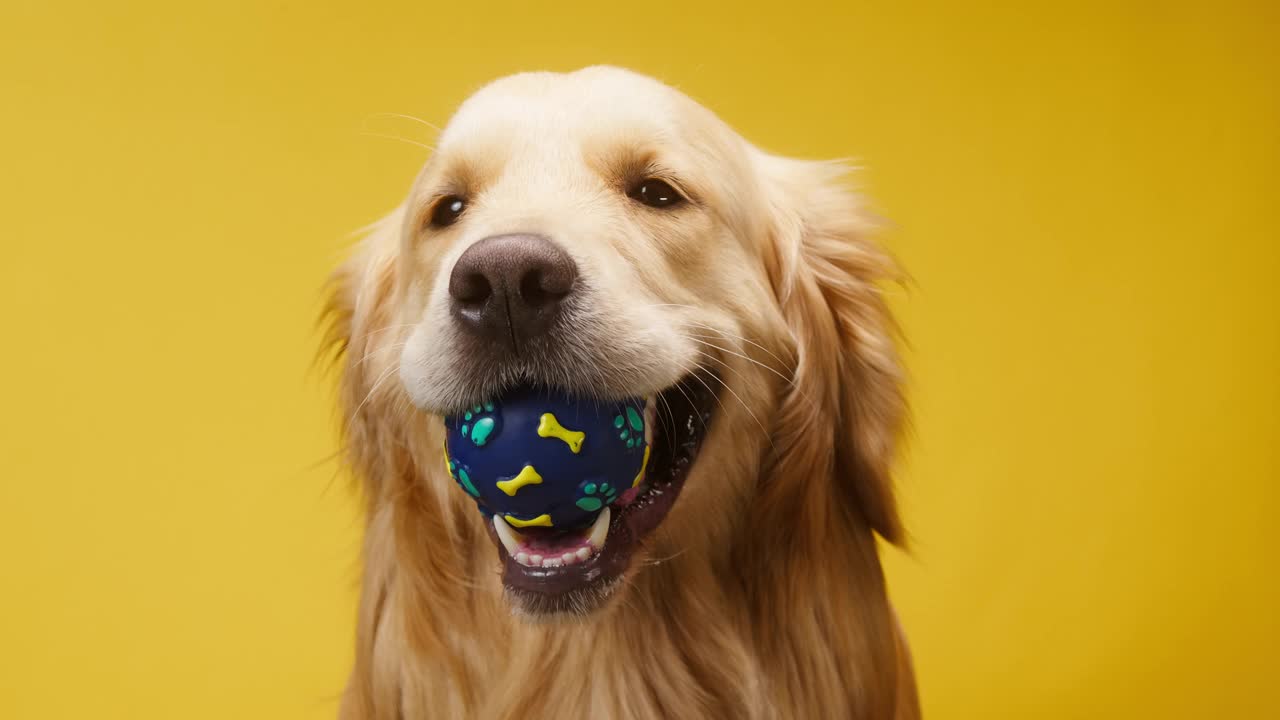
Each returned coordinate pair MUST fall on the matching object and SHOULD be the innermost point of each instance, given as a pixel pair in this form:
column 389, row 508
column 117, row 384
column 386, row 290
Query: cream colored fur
column 761, row 594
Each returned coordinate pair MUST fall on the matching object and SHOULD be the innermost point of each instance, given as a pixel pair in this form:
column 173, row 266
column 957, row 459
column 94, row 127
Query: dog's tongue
column 631, row 493
column 551, row 542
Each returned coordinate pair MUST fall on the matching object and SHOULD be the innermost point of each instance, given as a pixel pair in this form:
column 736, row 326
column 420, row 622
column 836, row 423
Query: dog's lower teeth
column 517, row 545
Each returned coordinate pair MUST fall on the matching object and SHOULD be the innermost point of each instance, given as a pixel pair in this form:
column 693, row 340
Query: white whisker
column 741, row 402
column 370, row 355
column 386, row 374
column 406, row 117
column 397, row 326
column 428, row 148
column 732, row 336
column 753, row 361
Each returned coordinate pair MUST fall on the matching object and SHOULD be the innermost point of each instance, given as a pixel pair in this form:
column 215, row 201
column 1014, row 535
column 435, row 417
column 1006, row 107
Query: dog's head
column 602, row 234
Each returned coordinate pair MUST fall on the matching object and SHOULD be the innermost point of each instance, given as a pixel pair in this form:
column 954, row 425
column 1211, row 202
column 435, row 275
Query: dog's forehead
column 547, row 109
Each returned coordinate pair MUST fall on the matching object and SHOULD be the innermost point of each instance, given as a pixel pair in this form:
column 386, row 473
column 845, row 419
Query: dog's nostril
column 470, row 288
column 542, row 286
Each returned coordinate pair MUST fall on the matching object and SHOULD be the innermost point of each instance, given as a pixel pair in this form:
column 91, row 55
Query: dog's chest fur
column 687, row 640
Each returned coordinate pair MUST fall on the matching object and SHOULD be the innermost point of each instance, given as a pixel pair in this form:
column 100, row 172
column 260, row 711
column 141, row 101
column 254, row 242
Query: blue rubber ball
column 544, row 460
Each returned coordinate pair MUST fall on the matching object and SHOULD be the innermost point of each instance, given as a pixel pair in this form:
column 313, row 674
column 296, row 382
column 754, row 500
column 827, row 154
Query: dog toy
column 538, row 459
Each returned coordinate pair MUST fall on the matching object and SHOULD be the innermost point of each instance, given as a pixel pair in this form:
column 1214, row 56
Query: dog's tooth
column 510, row 538
column 569, row 558
column 599, row 530
column 535, row 560
column 550, row 562
column 583, row 553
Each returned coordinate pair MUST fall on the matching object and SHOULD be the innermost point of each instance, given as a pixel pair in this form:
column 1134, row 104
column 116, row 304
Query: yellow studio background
column 1086, row 197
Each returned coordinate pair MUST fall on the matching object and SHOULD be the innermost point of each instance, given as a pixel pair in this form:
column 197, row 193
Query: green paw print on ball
column 464, row 479
column 477, row 423
column 596, row 497
column 630, row 427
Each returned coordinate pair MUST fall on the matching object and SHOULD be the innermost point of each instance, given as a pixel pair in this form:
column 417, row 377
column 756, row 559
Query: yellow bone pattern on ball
column 542, row 520
column 643, row 464
column 548, row 426
column 527, row 476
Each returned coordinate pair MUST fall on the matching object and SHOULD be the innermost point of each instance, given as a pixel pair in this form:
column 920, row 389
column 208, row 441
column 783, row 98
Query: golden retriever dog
column 601, row 233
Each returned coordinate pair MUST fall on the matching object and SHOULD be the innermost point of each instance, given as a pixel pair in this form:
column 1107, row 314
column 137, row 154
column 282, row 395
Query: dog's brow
column 625, row 164
column 451, row 174
column 619, row 162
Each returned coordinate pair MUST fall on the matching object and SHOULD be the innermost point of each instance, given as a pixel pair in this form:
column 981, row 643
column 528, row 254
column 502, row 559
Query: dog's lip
column 560, row 588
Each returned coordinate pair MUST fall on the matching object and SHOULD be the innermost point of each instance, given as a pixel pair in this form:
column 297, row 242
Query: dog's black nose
column 509, row 288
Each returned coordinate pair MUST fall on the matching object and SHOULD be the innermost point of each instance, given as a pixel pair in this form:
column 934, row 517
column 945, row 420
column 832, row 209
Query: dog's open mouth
column 548, row 571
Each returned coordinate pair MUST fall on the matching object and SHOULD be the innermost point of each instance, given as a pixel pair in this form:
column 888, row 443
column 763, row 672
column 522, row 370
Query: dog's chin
column 583, row 585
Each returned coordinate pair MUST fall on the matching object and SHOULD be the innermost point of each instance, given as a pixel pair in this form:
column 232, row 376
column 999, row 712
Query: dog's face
column 585, row 232
column 603, row 235
column 574, row 230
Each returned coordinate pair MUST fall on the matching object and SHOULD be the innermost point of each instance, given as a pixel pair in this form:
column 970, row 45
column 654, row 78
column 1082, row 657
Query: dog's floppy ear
column 845, row 408
column 390, row 450
column 356, row 317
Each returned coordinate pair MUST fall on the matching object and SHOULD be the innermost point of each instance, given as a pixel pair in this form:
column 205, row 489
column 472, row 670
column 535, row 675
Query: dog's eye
column 447, row 211
column 655, row 193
